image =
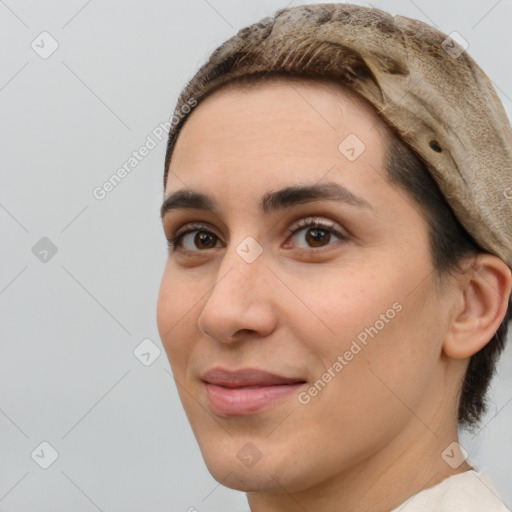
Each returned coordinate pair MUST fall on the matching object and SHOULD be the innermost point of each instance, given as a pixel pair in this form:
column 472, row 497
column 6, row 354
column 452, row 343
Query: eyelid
column 316, row 221
column 313, row 220
column 194, row 226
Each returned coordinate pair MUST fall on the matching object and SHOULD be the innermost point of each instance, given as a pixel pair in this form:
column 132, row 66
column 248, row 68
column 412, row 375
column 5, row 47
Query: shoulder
column 470, row 491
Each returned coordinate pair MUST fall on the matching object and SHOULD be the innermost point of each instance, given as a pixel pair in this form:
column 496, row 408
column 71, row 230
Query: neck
column 411, row 463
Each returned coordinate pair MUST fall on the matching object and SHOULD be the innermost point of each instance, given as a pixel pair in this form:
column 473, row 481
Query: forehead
column 277, row 131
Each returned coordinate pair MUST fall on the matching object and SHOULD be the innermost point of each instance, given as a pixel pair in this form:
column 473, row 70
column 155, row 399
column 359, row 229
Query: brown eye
column 194, row 239
column 205, row 240
column 318, row 237
column 312, row 234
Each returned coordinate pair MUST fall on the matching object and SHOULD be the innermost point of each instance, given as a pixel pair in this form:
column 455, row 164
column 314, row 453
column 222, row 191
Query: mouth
column 246, row 391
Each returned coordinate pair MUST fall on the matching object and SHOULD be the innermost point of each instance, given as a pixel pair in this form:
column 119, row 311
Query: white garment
column 470, row 491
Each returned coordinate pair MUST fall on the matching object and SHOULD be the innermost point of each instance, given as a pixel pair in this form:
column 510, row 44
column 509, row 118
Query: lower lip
column 248, row 400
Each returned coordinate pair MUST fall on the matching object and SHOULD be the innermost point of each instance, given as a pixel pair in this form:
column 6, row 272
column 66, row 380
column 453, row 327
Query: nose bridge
column 243, row 264
column 239, row 299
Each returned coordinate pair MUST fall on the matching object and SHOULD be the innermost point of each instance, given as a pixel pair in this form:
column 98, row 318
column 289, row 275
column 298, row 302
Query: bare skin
column 374, row 433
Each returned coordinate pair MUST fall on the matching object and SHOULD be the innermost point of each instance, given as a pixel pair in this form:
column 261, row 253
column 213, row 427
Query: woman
column 338, row 204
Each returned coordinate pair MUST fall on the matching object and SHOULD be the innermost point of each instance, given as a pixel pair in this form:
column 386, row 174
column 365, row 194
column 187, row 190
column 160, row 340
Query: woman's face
column 298, row 311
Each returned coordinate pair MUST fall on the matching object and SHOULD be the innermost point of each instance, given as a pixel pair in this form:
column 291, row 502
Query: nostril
column 246, row 331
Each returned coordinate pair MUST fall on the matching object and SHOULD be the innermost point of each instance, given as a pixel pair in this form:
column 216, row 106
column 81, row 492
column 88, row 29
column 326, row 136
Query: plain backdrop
column 82, row 85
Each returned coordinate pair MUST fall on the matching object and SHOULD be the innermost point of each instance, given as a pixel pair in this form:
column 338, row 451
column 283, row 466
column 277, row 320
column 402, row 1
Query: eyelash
column 173, row 242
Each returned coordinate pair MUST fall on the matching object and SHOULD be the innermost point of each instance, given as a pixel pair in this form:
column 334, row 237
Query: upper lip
column 246, row 377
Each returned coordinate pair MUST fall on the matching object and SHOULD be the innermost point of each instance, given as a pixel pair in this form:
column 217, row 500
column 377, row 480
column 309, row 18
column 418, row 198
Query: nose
column 240, row 301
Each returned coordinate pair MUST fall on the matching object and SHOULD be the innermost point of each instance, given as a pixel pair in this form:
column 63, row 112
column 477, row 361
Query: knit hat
column 422, row 82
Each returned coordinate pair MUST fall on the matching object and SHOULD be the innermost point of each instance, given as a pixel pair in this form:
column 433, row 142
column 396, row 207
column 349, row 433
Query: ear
column 483, row 292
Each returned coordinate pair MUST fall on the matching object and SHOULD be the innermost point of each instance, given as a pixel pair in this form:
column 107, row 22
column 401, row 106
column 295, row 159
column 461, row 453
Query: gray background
column 69, row 324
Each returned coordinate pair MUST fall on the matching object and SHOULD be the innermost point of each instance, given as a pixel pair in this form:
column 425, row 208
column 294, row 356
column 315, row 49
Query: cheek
column 376, row 325
column 175, row 310
column 339, row 308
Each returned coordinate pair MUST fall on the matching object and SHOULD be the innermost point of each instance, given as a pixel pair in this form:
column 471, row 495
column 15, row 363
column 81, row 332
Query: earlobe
column 485, row 290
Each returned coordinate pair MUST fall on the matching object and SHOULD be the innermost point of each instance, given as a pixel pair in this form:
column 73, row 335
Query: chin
column 238, row 463
column 259, row 478
column 244, row 480
column 254, row 466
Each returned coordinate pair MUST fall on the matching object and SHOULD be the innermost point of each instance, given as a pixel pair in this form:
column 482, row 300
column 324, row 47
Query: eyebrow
column 271, row 201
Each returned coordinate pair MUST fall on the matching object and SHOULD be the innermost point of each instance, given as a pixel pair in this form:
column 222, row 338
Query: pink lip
column 247, row 391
